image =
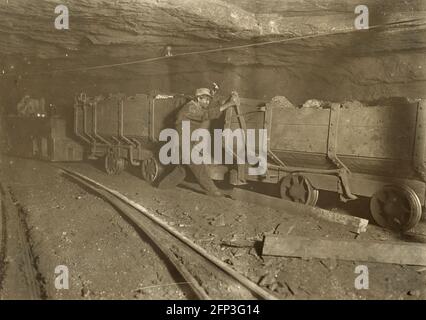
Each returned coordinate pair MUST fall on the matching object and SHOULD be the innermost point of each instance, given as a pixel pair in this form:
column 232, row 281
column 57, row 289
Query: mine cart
column 375, row 151
column 44, row 138
column 121, row 129
column 125, row 130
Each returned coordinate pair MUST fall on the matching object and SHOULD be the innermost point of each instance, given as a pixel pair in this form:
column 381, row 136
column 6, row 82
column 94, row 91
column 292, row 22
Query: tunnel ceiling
column 109, row 32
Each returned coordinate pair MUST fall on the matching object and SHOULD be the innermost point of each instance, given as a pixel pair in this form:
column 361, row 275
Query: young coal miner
column 198, row 115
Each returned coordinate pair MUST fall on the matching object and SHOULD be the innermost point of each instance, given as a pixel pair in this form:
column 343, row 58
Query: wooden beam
column 352, row 250
column 354, row 224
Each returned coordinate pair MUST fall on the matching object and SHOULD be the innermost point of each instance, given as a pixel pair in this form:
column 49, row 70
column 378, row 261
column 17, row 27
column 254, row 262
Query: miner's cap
column 203, row 92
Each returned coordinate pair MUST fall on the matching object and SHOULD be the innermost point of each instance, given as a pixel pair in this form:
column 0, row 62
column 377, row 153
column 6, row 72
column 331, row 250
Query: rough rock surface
column 387, row 60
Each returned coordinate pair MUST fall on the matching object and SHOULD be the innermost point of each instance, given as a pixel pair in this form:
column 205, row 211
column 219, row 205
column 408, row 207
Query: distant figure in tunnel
column 198, row 113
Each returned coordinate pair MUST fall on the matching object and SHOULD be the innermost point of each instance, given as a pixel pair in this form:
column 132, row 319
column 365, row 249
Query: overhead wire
column 220, row 49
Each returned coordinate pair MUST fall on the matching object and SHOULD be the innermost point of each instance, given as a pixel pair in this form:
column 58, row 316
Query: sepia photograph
column 224, row 150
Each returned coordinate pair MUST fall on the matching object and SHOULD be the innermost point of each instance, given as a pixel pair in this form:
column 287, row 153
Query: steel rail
column 11, row 216
column 248, row 284
column 123, row 208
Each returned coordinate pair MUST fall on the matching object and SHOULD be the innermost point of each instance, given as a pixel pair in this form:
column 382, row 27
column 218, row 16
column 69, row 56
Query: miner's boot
column 175, row 177
column 202, row 175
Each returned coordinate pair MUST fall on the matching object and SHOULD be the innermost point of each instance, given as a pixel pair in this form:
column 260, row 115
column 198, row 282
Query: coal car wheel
column 110, row 163
column 150, row 169
column 297, row 188
column 113, row 164
column 396, row 207
column 121, row 164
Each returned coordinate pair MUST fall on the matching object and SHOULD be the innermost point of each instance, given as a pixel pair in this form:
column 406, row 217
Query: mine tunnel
column 297, row 53
column 305, row 50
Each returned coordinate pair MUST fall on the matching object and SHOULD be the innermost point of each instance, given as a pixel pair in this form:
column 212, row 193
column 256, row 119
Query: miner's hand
column 235, row 98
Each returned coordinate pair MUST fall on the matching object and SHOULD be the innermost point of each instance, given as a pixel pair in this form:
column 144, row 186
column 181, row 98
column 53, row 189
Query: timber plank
column 352, row 250
column 355, row 224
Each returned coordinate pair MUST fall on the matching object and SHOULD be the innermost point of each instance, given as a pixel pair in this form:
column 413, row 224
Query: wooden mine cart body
column 120, row 128
column 124, row 129
column 41, row 138
column 371, row 151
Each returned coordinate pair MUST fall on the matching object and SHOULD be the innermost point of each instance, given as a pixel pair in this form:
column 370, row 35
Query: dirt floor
column 108, row 259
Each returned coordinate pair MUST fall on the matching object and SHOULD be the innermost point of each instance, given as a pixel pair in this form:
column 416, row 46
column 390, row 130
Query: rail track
column 19, row 275
column 207, row 276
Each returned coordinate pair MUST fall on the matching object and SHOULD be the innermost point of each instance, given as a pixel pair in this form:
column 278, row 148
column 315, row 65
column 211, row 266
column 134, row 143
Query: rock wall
column 335, row 62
